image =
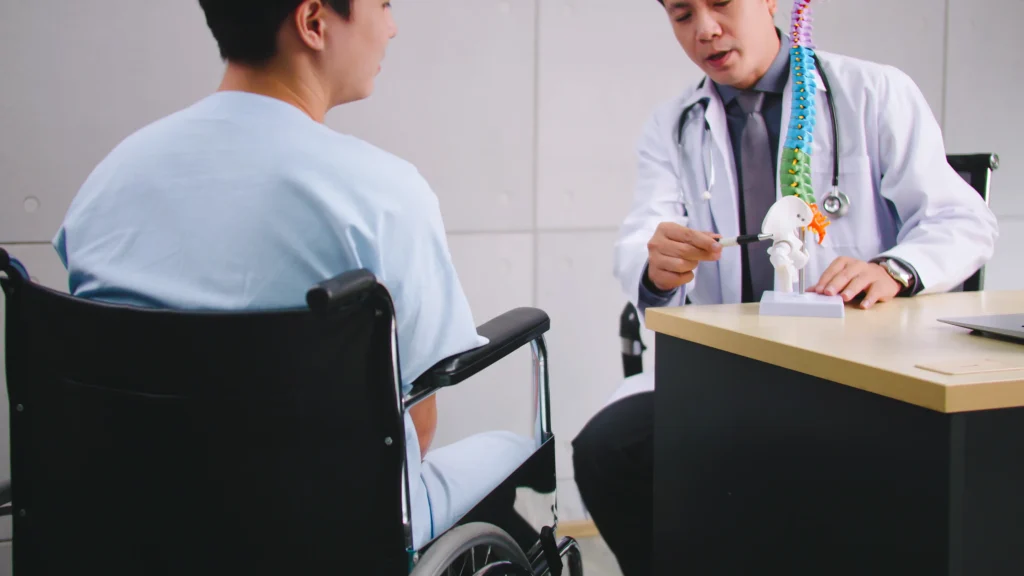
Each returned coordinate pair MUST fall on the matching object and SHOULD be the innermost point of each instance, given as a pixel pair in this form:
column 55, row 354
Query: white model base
column 807, row 304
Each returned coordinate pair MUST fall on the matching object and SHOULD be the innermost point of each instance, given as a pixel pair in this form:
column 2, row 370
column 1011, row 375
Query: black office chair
column 976, row 169
column 163, row 442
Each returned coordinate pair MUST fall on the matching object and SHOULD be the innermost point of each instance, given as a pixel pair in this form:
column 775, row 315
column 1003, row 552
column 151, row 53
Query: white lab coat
column 905, row 199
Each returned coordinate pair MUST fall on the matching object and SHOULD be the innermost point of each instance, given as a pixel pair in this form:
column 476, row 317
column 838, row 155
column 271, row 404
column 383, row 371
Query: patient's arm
column 424, row 417
column 434, row 319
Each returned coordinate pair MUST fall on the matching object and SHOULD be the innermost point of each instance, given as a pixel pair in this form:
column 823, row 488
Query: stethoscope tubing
column 709, row 170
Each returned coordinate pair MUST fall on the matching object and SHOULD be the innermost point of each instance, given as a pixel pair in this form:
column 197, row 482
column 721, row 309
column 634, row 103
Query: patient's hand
column 424, row 417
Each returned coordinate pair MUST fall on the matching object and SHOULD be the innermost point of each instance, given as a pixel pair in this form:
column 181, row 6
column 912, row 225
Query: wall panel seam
column 945, row 66
column 535, row 240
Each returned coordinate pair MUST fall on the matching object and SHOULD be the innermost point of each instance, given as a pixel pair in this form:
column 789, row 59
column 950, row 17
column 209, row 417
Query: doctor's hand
column 851, row 277
column 674, row 252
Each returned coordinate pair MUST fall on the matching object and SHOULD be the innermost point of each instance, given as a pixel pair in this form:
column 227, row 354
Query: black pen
column 745, row 239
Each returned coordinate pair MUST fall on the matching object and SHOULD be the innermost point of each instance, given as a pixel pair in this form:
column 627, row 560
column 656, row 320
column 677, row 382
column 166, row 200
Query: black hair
column 246, row 30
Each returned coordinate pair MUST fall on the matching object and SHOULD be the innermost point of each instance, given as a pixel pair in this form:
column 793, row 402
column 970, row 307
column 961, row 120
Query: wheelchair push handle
column 15, row 271
column 341, row 291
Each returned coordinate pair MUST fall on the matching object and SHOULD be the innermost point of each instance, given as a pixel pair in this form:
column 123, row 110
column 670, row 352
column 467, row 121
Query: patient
column 245, row 200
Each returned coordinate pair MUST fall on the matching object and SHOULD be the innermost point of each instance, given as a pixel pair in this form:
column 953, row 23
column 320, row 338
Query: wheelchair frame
column 506, row 333
column 547, row 557
column 542, row 427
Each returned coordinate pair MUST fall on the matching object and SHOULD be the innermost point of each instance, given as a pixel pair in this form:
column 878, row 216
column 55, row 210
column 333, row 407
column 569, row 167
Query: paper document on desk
column 962, row 367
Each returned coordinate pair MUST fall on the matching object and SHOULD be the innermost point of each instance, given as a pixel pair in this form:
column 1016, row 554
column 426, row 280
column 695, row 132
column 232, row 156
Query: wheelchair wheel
column 475, row 549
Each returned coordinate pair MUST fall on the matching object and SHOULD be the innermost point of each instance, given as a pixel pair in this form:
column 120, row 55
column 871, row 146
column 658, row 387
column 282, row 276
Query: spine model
column 795, row 172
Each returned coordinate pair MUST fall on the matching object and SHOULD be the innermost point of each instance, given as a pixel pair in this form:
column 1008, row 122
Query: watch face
column 898, row 273
column 895, row 266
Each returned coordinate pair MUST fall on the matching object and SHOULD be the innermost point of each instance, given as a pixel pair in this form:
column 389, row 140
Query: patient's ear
column 311, row 23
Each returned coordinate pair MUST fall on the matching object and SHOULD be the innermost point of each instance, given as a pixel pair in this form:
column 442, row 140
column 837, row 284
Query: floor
column 597, row 558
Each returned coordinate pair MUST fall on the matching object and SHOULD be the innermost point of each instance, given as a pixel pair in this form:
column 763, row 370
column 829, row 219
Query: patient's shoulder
column 354, row 152
column 358, row 158
column 381, row 180
column 271, row 154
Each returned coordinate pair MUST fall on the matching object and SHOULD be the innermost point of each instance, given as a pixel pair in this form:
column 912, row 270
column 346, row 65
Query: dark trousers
column 613, row 458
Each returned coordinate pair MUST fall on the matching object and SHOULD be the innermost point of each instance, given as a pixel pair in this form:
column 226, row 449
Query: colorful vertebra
column 795, row 172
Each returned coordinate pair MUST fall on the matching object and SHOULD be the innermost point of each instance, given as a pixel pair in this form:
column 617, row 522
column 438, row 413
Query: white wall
column 521, row 113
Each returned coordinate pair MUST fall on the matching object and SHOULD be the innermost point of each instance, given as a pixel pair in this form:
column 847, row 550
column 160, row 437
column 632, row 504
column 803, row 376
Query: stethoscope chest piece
column 836, row 204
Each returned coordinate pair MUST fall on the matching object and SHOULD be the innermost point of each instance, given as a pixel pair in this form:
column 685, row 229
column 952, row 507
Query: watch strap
column 896, row 268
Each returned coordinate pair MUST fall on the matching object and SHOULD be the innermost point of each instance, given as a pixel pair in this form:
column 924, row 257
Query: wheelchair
column 153, row 441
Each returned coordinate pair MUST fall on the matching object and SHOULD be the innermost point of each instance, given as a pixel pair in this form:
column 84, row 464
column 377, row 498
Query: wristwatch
column 899, row 273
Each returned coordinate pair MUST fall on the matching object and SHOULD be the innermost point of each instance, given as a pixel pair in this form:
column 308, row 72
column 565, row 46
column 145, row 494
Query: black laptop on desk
column 1002, row 326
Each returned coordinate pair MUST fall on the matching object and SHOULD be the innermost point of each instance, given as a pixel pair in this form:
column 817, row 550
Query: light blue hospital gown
column 243, row 202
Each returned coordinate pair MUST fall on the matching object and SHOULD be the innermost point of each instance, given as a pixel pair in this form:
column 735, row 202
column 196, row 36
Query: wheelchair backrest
column 151, row 441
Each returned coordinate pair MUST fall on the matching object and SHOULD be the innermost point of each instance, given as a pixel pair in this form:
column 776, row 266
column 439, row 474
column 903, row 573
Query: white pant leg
column 453, row 479
column 422, row 525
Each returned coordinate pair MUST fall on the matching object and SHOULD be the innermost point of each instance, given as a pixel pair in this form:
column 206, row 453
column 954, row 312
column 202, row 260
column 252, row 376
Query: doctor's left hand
column 850, row 277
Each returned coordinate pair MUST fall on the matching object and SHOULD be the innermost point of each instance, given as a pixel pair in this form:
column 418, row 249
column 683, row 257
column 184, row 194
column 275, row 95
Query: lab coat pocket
column 853, row 234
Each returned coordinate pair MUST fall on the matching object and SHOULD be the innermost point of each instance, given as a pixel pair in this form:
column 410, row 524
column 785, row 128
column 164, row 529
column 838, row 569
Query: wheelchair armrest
column 505, row 334
column 5, row 498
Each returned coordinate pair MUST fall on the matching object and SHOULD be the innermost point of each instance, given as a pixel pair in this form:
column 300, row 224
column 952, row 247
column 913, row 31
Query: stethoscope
column 835, row 203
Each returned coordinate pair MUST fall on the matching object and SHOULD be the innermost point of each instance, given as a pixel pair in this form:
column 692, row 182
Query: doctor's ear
column 773, row 7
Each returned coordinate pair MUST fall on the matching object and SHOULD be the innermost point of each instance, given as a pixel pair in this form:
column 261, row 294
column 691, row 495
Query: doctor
column 708, row 168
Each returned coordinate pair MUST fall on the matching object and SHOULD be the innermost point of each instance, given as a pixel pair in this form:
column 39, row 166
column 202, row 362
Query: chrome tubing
column 569, row 549
column 396, row 376
column 570, row 555
column 418, row 396
column 539, row 352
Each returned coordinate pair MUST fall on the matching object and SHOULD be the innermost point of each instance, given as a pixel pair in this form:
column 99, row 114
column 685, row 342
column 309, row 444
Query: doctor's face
column 733, row 41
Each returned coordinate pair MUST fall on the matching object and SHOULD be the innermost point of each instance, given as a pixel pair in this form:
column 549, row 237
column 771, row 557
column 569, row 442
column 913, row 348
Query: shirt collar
column 773, row 81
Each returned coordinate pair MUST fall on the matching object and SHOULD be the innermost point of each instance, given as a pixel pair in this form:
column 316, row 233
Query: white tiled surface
column 1005, row 271
column 604, row 66
column 907, row 34
column 576, row 286
column 496, row 271
column 108, row 68
column 455, row 98
column 986, row 54
column 598, row 560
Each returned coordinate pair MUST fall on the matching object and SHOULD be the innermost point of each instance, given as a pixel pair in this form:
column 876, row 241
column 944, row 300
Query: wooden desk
column 820, row 446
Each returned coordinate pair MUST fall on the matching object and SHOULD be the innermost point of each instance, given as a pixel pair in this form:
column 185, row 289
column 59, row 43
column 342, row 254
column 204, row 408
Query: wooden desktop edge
column 920, row 392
